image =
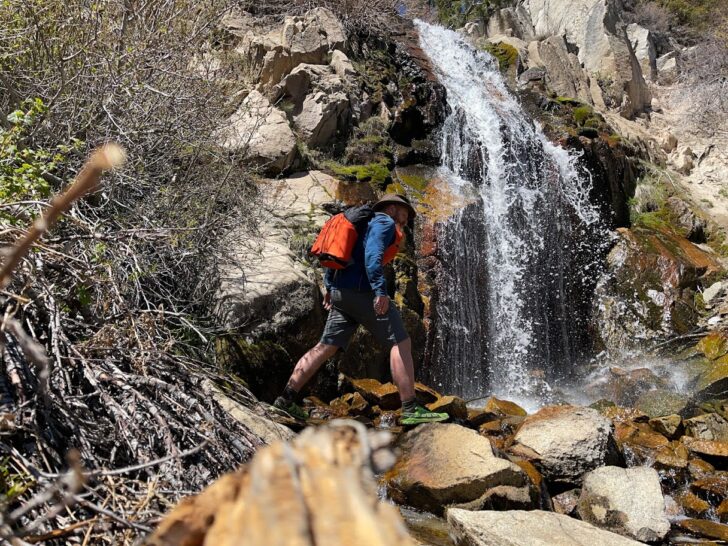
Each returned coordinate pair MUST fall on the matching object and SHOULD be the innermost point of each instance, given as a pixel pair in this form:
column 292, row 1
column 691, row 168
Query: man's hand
column 327, row 301
column 381, row 305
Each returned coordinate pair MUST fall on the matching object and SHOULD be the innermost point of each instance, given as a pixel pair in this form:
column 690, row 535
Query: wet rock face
column 571, row 441
column 443, row 465
column 625, row 501
column 534, row 528
column 613, row 177
column 399, row 82
column 648, row 292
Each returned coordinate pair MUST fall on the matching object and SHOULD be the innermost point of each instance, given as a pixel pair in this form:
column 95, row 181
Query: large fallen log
column 317, row 490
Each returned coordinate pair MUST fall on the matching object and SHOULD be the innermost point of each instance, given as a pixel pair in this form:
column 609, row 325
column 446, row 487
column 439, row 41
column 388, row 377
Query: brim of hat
column 381, row 204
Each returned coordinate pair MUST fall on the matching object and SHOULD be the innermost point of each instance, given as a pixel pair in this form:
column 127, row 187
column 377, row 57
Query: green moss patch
column 506, row 54
column 714, row 345
column 377, row 174
column 568, row 101
column 582, row 114
column 658, row 220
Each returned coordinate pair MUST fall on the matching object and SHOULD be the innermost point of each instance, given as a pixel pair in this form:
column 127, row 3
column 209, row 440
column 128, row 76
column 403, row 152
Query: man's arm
column 379, row 236
column 328, row 278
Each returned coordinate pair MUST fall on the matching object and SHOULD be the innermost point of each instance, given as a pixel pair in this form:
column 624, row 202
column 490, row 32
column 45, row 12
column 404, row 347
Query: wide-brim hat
column 395, row 199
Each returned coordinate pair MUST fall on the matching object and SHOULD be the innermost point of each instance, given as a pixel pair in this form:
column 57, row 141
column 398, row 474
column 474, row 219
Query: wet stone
column 640, row 434
column 704, row 528
column 714, row 345
column 713, row 488
column 452, row 405
column 698, row 468
column 384, row 395
column 692, row 505
column 625, row 386
column 479, row 416
column 425, row 394
column 659, row 402
column 504, row 407
column 672, row 458
column 350, row 404
column 707, row 449
column 722, row 511
column 565, row 503
column 619, row 414
column 667, row 425
column 713, row 381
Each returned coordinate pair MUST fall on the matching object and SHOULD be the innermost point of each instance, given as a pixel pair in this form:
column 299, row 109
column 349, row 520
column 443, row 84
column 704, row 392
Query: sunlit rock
column 454, row 406
column 260, row 133
column 627, row 501
column 704, row 528
column 595, row 30
column 710, row 426
column 570, row 440
column 446, row 464
column 533, row 528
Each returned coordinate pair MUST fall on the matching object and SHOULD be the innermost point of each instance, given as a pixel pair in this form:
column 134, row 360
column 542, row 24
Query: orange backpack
column 336, row 240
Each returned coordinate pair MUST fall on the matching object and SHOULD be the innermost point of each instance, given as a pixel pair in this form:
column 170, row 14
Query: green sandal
column 291, row 408
column 422, row 415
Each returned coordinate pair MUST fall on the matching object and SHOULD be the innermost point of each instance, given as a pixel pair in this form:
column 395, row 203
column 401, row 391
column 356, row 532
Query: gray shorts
column 350, row 308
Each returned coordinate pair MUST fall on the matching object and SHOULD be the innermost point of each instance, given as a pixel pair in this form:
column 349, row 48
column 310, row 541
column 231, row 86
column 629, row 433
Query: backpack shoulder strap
column 360, row 217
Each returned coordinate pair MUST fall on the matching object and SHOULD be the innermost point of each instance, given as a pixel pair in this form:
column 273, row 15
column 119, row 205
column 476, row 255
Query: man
column 357, row 295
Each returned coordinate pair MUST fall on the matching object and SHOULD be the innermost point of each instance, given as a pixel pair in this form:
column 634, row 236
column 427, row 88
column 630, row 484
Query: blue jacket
column 365, row 273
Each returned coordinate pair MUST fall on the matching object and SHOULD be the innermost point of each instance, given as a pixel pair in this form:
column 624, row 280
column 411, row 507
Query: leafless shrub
column 118, row 294
column 704, row 86
column 356, row 15
column 652, row 16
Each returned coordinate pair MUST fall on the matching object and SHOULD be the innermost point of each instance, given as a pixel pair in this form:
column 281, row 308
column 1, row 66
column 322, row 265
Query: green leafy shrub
column 26, row 172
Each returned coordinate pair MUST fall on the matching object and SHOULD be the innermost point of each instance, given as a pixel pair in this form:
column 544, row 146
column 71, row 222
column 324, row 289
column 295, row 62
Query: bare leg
column 309, row 364
column 403, row 369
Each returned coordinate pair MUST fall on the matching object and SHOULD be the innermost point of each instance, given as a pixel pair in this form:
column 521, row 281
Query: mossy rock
column 657, row 220
column 582, row 113
column 660, row 402
column 714, row 345
column 377, row 174
column 505, row 54
column 568, row 101
column 713, row 382
column 415, row 181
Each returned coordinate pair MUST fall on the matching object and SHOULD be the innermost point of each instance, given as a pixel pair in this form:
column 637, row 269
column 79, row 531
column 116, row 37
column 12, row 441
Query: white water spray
column 535, row 217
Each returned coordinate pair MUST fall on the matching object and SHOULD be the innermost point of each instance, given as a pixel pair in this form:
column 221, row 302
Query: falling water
column 517, row 261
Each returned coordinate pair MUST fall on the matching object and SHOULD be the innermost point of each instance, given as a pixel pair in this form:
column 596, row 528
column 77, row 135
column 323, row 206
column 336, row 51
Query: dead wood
column 319, row 489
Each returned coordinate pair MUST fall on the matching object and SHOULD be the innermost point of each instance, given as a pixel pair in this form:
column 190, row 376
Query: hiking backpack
column 336, row 240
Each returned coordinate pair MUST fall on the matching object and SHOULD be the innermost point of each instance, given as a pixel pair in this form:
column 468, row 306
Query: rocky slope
column 598, row 475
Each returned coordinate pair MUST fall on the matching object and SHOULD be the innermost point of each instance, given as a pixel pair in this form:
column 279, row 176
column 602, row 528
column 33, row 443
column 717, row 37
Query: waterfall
column 518, row 261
